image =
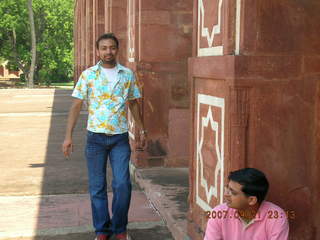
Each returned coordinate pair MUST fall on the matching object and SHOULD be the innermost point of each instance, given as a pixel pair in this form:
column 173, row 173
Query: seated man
column 245, row 215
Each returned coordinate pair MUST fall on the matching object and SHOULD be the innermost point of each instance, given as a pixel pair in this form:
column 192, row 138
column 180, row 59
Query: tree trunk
column 15, row 53
column 33, row 45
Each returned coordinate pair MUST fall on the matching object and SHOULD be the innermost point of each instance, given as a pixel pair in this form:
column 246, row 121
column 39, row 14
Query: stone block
column 155, row 17
column 163, row 44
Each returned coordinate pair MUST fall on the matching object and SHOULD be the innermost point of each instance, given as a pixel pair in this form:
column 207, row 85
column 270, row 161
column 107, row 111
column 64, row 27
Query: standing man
column 107, row 87
column 246, row 215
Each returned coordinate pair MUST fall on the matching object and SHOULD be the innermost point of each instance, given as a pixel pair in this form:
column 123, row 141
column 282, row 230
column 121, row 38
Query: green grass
column 62, row 84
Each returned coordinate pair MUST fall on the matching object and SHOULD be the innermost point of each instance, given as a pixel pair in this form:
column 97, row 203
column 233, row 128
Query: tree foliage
column 54, row 33
column 15, row 42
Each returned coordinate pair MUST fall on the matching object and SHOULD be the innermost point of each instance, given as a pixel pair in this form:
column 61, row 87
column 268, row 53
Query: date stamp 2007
column 271, row 214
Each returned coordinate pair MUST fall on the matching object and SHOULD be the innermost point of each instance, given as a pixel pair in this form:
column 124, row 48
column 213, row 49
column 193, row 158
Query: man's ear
column 253, row 200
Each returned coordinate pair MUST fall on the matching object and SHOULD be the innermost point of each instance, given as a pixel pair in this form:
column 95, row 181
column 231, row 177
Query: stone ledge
column 167, row 189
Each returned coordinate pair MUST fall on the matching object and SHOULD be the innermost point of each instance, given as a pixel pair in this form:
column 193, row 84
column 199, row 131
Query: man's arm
column 134, row 108
column 67, row 146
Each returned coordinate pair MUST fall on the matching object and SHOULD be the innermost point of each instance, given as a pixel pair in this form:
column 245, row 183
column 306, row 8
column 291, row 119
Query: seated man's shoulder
column 273, row 213
column 276, row 220
column 269, row 206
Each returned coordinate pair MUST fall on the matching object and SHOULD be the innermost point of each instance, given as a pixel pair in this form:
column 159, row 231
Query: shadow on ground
column 69, row 176
column 156, row 233
column 42, row 194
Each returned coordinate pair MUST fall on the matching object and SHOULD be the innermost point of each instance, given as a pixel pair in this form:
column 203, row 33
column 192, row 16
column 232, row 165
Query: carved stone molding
column 239, row 99
column 239, row 115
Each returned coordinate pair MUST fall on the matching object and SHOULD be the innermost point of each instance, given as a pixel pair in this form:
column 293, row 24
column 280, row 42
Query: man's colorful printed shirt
column 107, row 102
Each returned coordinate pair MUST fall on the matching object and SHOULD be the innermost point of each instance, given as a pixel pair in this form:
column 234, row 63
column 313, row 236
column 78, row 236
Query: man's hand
column 134, row 109
column 142, row 140
column 67, row 147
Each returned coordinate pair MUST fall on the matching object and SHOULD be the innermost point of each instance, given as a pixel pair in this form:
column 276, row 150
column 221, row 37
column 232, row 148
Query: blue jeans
column 99, row 148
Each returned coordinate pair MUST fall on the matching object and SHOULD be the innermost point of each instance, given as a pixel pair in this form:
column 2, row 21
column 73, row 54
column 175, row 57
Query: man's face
column 235, row 198
column 107, row 51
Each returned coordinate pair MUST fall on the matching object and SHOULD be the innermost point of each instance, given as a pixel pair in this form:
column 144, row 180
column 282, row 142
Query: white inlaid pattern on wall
column 204, row 123
column 209, row 33
column 131, row 30
column 204, row 32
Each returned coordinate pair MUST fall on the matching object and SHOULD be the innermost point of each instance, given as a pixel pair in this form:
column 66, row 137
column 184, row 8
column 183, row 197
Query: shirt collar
column 98, row 66
column 262, row 212
column 247, row 224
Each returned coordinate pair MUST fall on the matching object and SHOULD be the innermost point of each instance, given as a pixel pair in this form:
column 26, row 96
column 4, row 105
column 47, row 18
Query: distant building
column 6, row 74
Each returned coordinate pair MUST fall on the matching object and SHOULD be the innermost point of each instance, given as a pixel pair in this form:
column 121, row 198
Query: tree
column 14, row 45
column 55, row 48
column 33, row 45
column 53, row 25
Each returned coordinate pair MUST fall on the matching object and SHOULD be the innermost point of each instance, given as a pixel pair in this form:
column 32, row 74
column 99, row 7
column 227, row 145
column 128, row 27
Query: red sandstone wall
column 270, row 94
column 284, row 106
column 163, row 38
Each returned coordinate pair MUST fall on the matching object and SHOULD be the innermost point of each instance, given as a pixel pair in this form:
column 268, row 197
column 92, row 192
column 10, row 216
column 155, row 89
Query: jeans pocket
column 89, row 133
column 92, row 138
column 93, row 147
column 124, row 137
column 91, row 151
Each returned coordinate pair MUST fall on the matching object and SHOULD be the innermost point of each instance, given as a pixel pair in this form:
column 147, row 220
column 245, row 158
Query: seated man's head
column 246, row 188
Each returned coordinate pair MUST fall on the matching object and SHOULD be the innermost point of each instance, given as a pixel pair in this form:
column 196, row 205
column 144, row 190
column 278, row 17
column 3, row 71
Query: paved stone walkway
column 43, row 195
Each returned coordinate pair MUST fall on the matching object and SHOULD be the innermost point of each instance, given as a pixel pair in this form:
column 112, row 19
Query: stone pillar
column 107, row 15
column 255, row 103
column 90, row 22
column 89, row 33
column 159, row 43
column 76, row 36
column 83, row 36
column 99, row 19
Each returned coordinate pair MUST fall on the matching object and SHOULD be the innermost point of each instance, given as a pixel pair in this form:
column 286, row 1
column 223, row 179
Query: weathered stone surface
column 179, row 152
column 270, row 96
column 180, row 5
column 155, row 17
column 281, row 27
column 163, row 44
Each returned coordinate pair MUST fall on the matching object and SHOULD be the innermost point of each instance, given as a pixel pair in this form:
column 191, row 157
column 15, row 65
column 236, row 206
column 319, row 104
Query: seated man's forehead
column 234, row 185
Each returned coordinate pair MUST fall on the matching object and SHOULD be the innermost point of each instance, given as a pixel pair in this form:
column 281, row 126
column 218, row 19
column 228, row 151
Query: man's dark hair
column 107, row 36
column 253, row 181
